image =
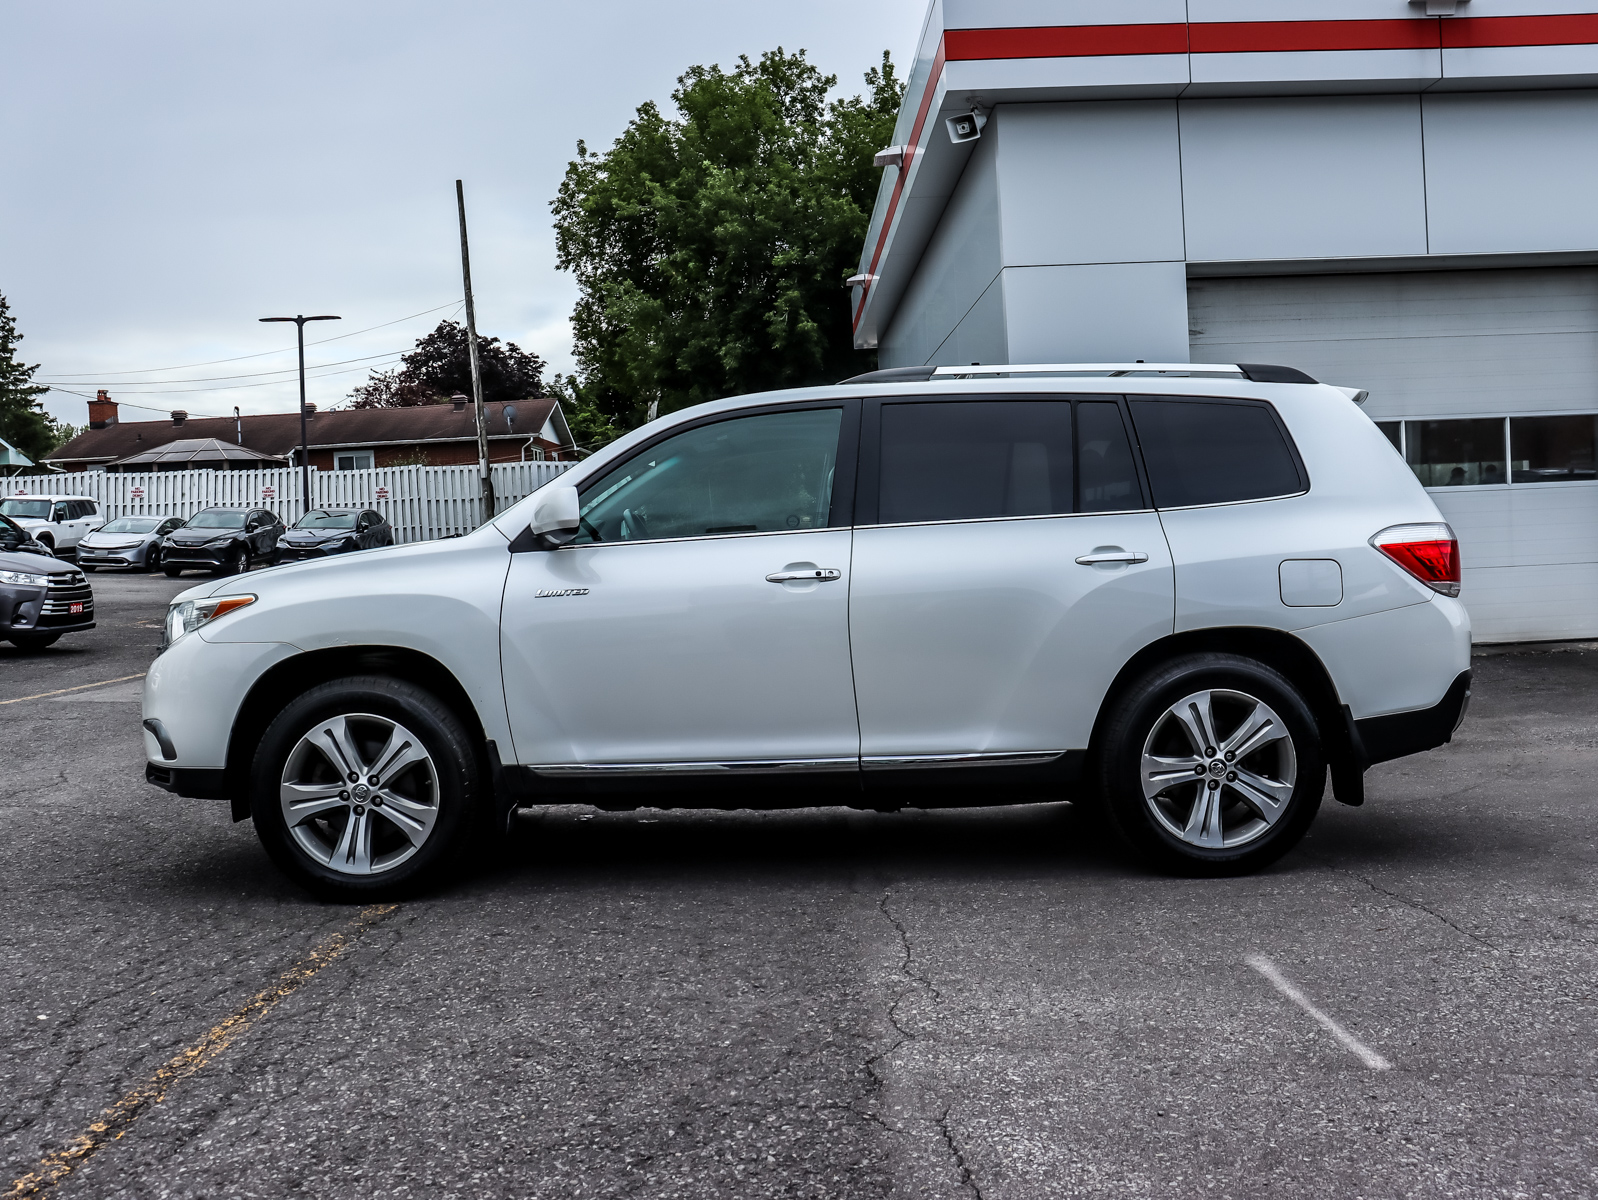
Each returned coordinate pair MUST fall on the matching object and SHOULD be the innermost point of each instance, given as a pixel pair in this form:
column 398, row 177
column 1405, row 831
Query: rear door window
column 1201, row 451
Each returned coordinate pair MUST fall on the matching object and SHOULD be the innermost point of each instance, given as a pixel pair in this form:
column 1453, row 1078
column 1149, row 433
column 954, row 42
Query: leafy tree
column 441, row 365
column 22, row 422
column 711, row 246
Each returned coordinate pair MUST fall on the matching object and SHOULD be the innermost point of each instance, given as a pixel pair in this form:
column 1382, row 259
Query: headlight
column 188, row 615
column 24, row 577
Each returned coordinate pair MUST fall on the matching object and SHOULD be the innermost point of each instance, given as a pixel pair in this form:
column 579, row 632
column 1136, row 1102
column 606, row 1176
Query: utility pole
column 485, row 476
column 305, row 454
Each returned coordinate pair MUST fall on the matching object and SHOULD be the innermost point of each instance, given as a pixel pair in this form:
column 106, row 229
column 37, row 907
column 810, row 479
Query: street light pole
column 305, row 453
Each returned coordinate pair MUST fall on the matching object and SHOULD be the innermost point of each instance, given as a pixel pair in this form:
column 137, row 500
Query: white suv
column 58, row 523
column 1181, row 592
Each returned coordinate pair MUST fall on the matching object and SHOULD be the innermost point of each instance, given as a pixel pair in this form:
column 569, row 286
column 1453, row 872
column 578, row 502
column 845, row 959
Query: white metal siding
column 1450, row 344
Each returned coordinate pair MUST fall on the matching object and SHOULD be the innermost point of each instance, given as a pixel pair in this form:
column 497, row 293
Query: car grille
column 65, row 590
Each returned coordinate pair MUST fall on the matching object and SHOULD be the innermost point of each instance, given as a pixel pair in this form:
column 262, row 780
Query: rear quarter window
column 1215, row 451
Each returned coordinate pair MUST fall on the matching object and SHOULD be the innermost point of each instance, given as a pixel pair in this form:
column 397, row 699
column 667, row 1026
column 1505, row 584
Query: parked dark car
column 224, row 541
column 324, row 531
column 127, row 542
column 14, row 539
column 41, row 598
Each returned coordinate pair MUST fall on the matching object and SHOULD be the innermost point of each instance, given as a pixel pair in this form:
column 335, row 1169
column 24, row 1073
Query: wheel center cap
column 362, row 791
column 1217, row 768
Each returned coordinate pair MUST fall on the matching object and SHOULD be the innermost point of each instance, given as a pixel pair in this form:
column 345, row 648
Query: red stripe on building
column 1576, row 29
column 1065, row 41
column 1264, row 37
column 904, row 173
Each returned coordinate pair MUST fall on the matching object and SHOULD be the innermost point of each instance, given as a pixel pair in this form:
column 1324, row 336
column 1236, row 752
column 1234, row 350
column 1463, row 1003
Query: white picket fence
column 420, row 502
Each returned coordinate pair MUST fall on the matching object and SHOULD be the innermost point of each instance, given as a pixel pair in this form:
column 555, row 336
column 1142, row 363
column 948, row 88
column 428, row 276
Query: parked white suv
column 57, row 522
column 1181, row 592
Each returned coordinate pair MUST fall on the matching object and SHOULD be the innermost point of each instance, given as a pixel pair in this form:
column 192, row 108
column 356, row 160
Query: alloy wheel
column 359, row 793
column 1218, row 769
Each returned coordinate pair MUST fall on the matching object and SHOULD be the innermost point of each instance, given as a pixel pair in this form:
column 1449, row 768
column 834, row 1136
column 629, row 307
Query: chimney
column 457, row 403
column 179, row 416
column 102, row 410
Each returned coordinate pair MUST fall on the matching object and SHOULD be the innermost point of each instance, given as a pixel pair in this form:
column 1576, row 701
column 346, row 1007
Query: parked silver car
column 127, row 542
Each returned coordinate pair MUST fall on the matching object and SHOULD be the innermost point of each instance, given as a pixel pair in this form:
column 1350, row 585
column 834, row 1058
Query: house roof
column 195, row 452
column 278, row 434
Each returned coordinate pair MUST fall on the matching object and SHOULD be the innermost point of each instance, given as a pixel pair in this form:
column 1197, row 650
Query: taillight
column 1428, row 552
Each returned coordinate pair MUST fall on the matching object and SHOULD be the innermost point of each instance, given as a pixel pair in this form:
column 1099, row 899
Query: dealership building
column 1393, row 195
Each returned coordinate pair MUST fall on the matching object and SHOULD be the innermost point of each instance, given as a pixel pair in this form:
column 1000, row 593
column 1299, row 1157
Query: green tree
column 441, row 365
column 711, row 246
column 22, row 422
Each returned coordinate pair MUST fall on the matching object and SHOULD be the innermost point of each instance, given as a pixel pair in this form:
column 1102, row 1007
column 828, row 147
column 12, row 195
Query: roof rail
column 1254, row 372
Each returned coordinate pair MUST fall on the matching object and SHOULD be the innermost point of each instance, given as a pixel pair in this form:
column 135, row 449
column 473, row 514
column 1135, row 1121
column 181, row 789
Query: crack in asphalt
column 1406, row 901
column 967, row 1181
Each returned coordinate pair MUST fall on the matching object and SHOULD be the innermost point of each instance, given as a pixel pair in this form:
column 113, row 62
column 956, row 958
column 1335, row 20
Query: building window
column 1395, row 433
column 357, row 460
column 1465, row 453
column 1548, row 449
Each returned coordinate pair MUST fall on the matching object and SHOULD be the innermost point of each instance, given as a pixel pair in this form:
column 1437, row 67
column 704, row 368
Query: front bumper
column 194, row 556
column 287, row 552
column 88, row 556
column 65, row 608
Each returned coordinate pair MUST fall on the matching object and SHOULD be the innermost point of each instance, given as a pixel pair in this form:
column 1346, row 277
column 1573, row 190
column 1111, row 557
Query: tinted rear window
column 1214, row 451
column 958, row 460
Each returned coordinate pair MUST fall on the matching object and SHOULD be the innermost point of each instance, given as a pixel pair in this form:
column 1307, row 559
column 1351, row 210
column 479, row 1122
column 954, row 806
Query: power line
column 262, row 354
column 123, row 383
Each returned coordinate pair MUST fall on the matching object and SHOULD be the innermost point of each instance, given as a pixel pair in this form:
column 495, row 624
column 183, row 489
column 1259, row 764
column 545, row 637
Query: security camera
column 966, row 127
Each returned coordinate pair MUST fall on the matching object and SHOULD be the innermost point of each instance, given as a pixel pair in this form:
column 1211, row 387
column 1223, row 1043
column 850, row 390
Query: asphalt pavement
column 986, row 1003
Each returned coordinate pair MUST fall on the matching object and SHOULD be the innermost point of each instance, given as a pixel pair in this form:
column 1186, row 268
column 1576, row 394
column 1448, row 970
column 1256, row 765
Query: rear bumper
column 1397, row 735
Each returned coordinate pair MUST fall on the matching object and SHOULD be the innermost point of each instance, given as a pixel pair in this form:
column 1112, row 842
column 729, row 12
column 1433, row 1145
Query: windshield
column 131, row 525
column 26, row 508
column 218, row 518
column 321, row 519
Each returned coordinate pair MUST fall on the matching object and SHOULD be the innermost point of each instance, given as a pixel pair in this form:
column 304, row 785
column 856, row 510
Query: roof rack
column 1254, row 372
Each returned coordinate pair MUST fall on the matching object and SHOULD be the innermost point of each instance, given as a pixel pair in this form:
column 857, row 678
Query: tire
column 29, row 642
column 48, row 542
column 87, row 569
column 152, row 560
column 441, row 801
column 236, row 563
column 172, row 572
column 1241, row 814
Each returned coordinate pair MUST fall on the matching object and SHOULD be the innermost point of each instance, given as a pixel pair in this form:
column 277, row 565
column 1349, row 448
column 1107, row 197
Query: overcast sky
column 169, row 172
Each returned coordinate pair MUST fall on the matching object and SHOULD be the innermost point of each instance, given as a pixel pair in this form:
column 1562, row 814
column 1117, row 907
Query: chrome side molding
column 902, row 762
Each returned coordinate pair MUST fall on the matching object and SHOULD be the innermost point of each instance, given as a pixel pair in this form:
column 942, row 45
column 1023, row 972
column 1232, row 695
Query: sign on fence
column 421, row 503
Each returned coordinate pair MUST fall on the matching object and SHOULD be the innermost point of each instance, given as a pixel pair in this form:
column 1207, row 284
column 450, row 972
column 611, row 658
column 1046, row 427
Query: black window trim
column 840, row 511
column 869, row 475
column 1305, row 484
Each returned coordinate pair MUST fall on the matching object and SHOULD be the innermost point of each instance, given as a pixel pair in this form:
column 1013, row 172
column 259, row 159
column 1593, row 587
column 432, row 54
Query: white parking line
column 1350, row 1043
column 79, row 688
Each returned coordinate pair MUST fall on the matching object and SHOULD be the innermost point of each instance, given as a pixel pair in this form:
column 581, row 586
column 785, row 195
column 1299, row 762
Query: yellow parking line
column 119, row 1118
column 79, row 688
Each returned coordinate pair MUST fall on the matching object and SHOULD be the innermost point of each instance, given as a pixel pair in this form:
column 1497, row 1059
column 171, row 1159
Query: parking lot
column 983, row 1003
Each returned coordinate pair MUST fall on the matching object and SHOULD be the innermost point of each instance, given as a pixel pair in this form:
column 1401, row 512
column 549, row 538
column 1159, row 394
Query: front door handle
column 1112, row 554
column 807, row 575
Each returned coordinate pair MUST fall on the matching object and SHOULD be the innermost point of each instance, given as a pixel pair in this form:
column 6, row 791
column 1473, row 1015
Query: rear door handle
column 1112, row 555
column 808, row 575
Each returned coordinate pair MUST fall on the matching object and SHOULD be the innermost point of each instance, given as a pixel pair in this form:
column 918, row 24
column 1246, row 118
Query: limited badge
column 547, row 593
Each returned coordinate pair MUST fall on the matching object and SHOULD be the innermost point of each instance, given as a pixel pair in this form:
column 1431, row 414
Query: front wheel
column 172, row 572
column 367, row 787
column 236, row 563
column 1212, row 765
column 86, row 568
column 152, row 560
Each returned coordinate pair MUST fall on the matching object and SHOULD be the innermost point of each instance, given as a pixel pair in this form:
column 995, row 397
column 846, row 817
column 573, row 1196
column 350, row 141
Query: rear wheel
column 367, row 787
column 1212, row 764
column 33, row 641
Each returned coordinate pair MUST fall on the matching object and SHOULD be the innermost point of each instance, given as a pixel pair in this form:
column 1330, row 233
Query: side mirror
column 556, row 517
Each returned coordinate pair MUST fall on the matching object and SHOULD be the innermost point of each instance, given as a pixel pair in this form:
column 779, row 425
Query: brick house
column 341, row 440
